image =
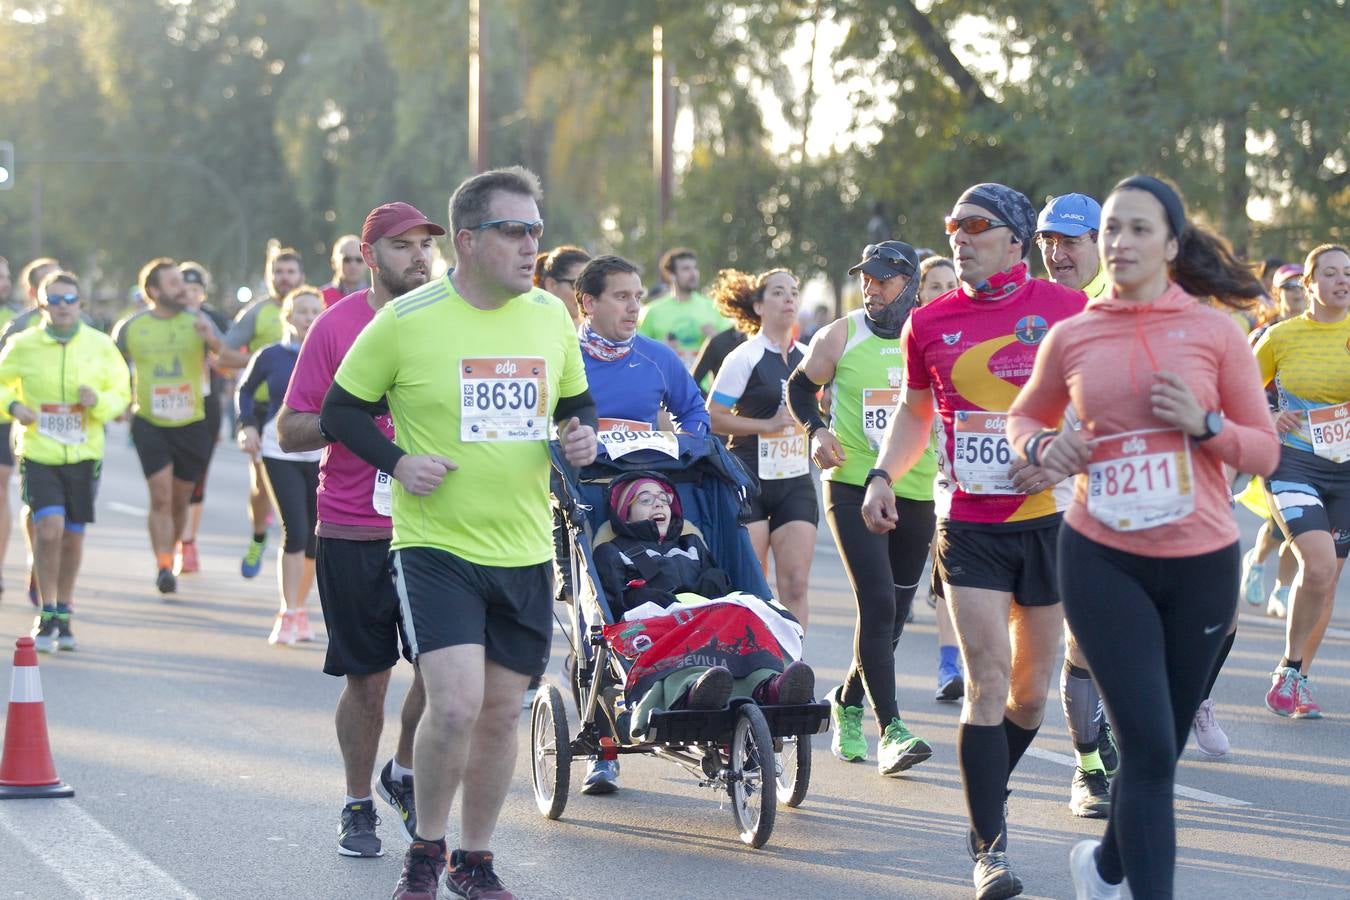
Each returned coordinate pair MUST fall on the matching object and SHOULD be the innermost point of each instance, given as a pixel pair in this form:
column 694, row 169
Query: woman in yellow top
column 1308, row 360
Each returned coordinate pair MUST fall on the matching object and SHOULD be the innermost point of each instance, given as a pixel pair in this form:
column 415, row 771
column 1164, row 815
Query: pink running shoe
column 1282, row 698
column 283, row 629
column 188, row 563
column 302, row 630
column 1306, row 707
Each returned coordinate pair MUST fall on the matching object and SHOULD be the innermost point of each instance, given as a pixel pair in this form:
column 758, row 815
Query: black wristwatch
column 878, row 473
column 1213, row 425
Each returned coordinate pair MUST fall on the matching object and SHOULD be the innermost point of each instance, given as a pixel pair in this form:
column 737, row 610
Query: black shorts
column 360, row 607
column 6, row 448
column 1310, row 493
column 211, row 405
column 448, row 601
column 1021, row 563
column 71, row 488
column 785, row 500
column 187, row 447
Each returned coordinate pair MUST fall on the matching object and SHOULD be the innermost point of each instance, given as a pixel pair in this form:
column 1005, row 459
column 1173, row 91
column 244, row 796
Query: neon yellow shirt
column 45, row 375
column 479, row 387
column 166, row 355
column 683, row 320
column 1309, row 361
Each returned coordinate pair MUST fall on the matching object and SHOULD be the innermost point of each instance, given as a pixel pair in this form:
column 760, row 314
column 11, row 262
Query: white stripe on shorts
column 405, row 608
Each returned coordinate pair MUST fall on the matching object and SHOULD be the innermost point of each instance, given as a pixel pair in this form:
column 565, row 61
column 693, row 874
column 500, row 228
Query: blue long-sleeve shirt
column 638, row 385
column 272, row 366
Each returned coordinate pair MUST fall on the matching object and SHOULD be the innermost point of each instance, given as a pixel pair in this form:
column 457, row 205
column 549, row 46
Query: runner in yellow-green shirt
column 477, row 367
column 684, row 318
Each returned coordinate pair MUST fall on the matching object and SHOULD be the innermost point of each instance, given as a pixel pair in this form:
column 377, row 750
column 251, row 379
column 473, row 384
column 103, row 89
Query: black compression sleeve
column 350, row 421
column 802, row 402
column 581, row 405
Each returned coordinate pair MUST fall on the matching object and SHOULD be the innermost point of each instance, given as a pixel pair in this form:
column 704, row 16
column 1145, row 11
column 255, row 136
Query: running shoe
column 188, row 563
column 65, row 638
column 1305, row 706
column 602, row 777
column 283, row 629
column 44, row 631
column 1253, row 578
column 165, row 581
column 899, row 749
column 712, row 690
column 951, row 684
column 398, row 793
column 1278, row 604
column 846, row 741
column 1088, row 884
column 1090, row 795
column 356, row 833
column 793, row 686
column 1106, row 745
column 1282, row 698
column 1209, row 737
column 470, row 875
column 303, row 631
column 422, row 868
column 253, row 558
column 994, row 878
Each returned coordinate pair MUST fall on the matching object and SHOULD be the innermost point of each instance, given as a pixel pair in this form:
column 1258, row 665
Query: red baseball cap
column 395, row 218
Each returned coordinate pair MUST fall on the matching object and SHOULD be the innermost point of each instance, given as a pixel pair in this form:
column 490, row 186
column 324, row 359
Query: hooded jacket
column 1104, row 360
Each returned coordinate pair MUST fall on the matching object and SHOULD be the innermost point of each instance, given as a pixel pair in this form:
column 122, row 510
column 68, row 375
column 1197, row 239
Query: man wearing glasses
column 968, row 354
column 476, row 366
column 350, row 273
column 60, row 382
column 1066, row 232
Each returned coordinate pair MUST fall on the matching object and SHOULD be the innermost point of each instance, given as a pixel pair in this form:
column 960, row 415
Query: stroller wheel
column 753, row 782
column 550, row 752
column 793, row 763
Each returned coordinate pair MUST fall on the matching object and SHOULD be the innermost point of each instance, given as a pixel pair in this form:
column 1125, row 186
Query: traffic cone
column 26, row 768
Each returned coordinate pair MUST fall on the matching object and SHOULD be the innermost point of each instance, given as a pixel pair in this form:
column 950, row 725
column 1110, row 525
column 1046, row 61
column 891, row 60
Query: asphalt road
column 205, row 765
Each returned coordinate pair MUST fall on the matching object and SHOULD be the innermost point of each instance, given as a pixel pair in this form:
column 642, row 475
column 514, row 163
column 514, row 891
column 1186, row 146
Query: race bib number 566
column 503, row 398
column 982, row 454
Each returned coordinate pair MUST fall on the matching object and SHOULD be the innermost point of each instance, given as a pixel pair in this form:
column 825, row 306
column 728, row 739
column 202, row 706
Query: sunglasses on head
column 891, row 256
column 62, row 299
column 973, row 224
column 515, row 228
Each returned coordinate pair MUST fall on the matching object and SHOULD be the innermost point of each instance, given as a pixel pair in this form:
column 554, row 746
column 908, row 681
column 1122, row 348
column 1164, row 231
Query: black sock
column 1019, row 739
column 983, row 753
column 1218, row 663
column 440, row 843
column 1295, row 664
column 260, row 536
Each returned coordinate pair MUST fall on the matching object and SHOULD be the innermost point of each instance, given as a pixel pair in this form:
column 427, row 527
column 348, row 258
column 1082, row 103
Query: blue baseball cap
column 1071, row 215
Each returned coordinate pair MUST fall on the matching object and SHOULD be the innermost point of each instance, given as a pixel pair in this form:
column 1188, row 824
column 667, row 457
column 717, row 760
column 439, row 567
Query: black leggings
column 884, row 571
column 294, row 486
column 1151, row 629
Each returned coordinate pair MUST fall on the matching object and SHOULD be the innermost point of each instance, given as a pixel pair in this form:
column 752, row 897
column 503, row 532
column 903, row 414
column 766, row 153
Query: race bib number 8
column 1140, row 479
column 782, row 454
column 877, row 408
column 172, row 402
column 1330, row 427
column 503, row 398
column 982, row 453
column 621, row 437
column 62, row 422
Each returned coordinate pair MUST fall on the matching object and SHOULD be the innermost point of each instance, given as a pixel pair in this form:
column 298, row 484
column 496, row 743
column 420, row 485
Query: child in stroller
column 695, row 643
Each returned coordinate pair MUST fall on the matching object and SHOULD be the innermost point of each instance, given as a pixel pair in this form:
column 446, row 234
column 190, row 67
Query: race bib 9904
column 503, row 398
column 621, row 437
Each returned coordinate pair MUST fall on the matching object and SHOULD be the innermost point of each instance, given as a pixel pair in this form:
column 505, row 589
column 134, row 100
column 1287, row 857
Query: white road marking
column 89, row 858
column 1180, row 790
column 127, row 508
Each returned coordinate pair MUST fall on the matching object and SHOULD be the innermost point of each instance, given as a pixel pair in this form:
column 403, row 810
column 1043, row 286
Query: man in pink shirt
column 361, row 608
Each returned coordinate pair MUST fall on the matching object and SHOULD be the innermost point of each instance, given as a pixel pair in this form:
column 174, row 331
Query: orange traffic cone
column 26, row 768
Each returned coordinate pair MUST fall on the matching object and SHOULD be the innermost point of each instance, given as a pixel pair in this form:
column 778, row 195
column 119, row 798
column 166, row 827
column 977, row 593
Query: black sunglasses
column 891, row 256
column 515, row 229
column 62, row 299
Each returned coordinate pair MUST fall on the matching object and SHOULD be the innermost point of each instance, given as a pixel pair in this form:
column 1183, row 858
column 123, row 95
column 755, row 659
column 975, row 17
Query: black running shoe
column 470, row 875
column 994, row 878
column 356, row 835
column 1106, row 748
column 166, row 582
column 399, row 794
column 1091, row 794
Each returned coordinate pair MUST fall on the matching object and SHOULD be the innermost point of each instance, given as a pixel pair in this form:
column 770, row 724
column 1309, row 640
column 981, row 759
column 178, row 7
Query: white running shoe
column 1209, row 737
column 1253, row 578
column 1087, row 884
column 1278, row 604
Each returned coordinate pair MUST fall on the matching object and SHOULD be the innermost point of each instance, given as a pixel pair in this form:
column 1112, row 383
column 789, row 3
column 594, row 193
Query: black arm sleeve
column 350, row 420
column 581, row 405
column 802, row 401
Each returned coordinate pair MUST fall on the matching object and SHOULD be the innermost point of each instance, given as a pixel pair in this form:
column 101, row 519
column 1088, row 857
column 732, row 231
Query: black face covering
column 888, row 321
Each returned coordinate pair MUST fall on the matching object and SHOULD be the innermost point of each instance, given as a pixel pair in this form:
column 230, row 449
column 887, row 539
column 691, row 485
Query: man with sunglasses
column 61, row 383
column 1066, row 232
column 350, row 273
column 474, row 367
column 968, row 354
